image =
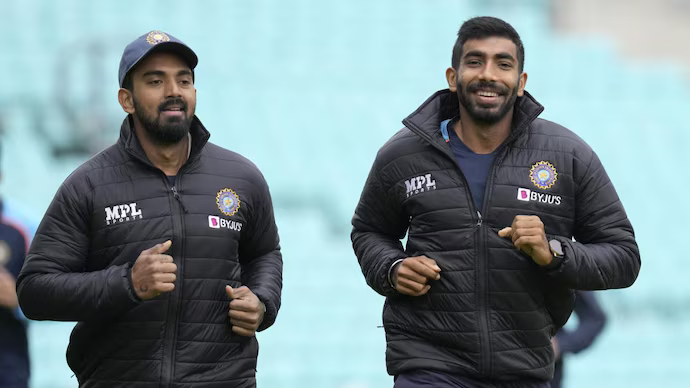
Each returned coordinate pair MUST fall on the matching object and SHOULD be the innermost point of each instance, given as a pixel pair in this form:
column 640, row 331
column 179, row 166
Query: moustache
column 174, row 102
column 487, row 86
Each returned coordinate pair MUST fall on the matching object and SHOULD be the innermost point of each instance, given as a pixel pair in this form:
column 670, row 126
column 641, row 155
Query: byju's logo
column 216, row 222
column 122, row 213
column 529, row 195
column 419, row 184
column 523, row 194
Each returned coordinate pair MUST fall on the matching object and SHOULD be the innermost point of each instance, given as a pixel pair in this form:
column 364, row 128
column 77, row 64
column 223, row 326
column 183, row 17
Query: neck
column 167, row 158
column 482, row 138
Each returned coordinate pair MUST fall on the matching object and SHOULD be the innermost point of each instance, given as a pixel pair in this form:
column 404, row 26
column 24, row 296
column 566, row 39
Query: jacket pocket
column 559, row 302
column 77, row 359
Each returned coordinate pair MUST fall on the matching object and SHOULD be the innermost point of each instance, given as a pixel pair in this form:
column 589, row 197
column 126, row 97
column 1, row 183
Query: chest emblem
column 419, row 184
column 228, row 202
column 122, row 213
column 543, row 175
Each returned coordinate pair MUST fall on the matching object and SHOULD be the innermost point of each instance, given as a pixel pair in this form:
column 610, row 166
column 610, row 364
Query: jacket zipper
column 485, row 367
column 170, row 334
column 482, row 250
column 179, row 199
column 170, row 337
column 482, row 258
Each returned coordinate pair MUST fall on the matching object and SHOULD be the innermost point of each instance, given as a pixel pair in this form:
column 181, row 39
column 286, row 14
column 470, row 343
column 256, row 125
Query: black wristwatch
column 557, row 252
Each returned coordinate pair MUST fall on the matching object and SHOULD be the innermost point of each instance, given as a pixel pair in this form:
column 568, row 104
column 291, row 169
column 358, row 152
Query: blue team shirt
column 474, row 166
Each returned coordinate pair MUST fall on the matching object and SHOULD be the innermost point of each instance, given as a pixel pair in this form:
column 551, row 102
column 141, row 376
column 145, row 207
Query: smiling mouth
column 482, row 93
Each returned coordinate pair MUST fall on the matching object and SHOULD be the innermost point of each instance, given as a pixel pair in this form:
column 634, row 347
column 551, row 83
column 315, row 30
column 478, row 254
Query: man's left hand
column 527, row 233
column 246, row 310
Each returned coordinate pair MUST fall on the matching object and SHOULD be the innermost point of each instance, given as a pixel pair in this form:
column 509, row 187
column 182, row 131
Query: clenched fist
column 527, row 234
column 154, row 272
column 411, row 276
column 246, row 310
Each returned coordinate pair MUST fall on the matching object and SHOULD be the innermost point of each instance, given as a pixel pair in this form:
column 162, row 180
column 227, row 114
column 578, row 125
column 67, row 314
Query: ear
column 522, row 81
column 126, row 100
column 451, row 77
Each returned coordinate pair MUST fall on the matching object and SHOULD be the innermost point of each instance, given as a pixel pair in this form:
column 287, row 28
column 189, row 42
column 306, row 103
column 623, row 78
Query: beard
column 486, row 113
column 164, row 131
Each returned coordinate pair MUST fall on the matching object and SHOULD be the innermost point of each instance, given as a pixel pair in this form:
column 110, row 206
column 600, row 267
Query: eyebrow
column 501, row 55
column 505, row 55
column 153, row 72
column 162, row 73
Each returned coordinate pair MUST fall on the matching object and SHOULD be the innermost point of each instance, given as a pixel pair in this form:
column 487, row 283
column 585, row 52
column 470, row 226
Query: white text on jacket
column 420, row 184
column 122, row 213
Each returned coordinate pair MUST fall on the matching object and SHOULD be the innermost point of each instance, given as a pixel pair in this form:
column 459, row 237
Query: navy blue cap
column 150, row 42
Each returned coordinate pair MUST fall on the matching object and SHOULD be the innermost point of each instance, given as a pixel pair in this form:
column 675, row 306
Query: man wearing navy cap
column 163, row 247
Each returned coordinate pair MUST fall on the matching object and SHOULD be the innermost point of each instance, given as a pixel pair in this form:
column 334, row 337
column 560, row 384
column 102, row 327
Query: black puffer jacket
column 118, row 204
column 493, row 312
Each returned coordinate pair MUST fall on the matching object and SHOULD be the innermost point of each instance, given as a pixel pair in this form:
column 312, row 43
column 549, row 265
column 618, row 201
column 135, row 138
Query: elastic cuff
column 270, row 313
column 130, row 284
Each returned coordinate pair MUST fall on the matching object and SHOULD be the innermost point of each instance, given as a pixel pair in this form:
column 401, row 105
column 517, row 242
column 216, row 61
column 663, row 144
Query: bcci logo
column 543, row 175
column 420, row 184
column 155, row 37
column 228, row 202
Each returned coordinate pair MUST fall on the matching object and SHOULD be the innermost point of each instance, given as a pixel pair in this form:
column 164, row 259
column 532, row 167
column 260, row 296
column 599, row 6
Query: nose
column 172, row 89
column 488, row 73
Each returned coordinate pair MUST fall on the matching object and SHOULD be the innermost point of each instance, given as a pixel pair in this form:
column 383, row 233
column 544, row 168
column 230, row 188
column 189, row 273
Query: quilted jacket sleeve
column 605, row 255
column 260, row 257
column 379, row 224
column 53, row 284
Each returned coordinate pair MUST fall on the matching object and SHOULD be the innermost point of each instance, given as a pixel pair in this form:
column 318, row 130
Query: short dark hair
column 485, row 27
column 127, row 83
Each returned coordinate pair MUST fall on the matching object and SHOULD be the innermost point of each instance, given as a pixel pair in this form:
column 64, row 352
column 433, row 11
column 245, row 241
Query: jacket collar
column 129, row 141
column 442, row 105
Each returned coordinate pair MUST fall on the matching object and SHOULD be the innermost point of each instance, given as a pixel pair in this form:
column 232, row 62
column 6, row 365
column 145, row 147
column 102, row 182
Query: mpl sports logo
column 122, row 213
column 216, row 222
column 528, row 195
column 419, row 184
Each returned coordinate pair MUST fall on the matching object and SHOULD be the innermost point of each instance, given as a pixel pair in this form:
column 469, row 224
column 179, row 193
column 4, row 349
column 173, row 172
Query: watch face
column 556, row 247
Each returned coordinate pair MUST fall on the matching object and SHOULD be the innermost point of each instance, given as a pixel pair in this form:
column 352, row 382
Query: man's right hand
column 154, row 272
column 410, row 276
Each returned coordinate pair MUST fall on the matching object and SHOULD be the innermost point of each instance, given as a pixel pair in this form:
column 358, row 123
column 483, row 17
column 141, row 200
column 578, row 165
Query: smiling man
column 163, row 247
column 505, row 214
